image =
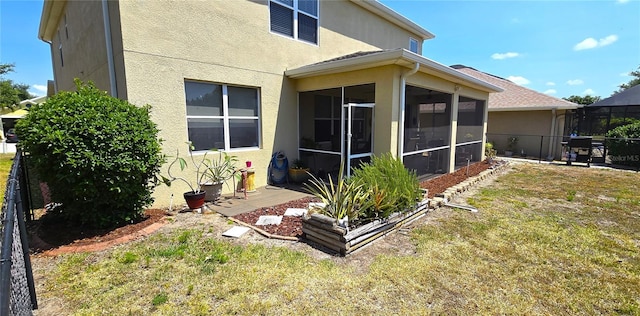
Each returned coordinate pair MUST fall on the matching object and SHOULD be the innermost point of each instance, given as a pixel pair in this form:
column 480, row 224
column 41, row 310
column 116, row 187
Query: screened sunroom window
column 295, row 18
column 221, row 116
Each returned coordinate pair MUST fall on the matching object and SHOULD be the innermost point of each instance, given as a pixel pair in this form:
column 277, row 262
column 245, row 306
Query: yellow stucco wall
column 528, row 126
column 231, row 43
column 84, row 50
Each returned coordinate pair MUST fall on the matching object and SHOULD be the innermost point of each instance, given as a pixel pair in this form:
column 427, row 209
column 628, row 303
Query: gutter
column 552, row 134
column 403, row 81
column 107, row 35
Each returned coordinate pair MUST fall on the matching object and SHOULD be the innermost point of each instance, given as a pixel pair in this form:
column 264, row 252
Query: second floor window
column 413, row 45
column 295, row 18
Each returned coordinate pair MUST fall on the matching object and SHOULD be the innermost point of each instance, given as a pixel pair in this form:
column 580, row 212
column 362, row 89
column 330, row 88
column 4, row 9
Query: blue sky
column 561, row 48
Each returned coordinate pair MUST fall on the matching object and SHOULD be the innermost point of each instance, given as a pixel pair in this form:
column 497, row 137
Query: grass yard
column 6, row 160
column 551, row 240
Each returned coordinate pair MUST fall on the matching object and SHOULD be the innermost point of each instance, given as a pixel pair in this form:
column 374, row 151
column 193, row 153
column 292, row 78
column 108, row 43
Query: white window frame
column 411, row 41
column 295, row 20
column 226, row 117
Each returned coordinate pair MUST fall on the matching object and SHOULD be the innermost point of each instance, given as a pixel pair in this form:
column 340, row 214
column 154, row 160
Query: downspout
column 107, row 35
column 552, row 134
column 403, row 81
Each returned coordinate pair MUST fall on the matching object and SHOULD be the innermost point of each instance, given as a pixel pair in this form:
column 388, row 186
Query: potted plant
column 298, row 171
column 511, row 145
column 217, row 172
column 194, row 197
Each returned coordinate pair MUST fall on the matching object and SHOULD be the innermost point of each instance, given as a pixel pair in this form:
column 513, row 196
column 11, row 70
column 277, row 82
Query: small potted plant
column 298, row 171
column 194, row 197
column 217, row 172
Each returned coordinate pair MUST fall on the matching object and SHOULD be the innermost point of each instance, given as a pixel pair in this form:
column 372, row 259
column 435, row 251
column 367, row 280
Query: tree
column 586, row 100
column 11, row 93
column 633, row 82
column 99, row 155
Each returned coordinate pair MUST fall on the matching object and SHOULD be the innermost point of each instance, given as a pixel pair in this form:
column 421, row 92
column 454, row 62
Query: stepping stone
column 295, row 212
column 269, row 220
column 236, row 231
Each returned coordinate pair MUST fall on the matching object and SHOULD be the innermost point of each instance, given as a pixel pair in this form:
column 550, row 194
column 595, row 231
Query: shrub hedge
column 98, row 154
column 624, row 148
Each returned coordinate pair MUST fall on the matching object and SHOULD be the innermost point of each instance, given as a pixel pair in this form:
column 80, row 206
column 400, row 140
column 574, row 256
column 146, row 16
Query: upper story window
column 221, row 116
column 295, row 18
column 413, row 45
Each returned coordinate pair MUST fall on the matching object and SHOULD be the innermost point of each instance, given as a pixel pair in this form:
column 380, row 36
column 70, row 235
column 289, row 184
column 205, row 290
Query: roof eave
column 394, row 17
column 533, row 108
column 401, row 57
column 51, row 13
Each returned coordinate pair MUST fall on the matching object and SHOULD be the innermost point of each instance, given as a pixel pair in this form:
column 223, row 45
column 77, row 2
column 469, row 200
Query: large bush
column 98, row 154
column 624, row 147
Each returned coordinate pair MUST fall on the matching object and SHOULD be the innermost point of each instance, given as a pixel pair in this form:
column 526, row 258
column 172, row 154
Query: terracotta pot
column 194, row 199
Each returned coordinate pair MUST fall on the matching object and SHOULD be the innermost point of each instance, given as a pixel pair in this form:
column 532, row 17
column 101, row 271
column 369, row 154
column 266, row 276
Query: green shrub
column 99, row 154
column 342, row 199
column 392, row 188
column 622, row 150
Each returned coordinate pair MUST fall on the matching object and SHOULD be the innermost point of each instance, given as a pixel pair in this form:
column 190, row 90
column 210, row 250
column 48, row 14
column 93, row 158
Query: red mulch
column 292, row 226
column 54, row 233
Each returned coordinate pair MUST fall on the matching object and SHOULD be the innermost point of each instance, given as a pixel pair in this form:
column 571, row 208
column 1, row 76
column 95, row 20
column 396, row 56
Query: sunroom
column 370, row 103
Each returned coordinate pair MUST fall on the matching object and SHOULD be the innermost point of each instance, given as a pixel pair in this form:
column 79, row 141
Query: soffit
column 51, row 12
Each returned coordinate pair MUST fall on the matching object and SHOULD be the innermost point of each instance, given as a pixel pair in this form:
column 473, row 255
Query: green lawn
column 5, row 167
column 551, row 240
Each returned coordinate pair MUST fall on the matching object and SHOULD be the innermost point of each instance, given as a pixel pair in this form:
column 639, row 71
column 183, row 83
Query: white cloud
column 589, row 92
column 38, row 90
column 551, row 83
column 504, row 55
column 625, row 74
column 550, row 91
column 575, row 82
column 518, row 80
column 622, row 1
column 591, row 42
column 608, row 40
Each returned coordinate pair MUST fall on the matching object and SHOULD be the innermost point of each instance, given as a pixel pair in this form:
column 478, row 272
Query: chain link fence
column 17, row 289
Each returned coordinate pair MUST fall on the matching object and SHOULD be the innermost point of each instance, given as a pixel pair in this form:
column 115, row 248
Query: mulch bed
column 47, row 235
column 291, row 226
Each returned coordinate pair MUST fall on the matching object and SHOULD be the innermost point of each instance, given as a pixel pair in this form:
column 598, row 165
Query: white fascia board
column 401, row 57
column 396, row 18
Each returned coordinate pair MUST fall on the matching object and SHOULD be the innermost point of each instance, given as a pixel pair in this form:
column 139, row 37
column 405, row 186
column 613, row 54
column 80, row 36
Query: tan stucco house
column 320, row 80
column 537, row 120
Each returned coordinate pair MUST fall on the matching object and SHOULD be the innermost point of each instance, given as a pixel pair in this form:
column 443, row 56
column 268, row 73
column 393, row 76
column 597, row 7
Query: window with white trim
column 295, row 18
column 413, row 45
column 222, row 116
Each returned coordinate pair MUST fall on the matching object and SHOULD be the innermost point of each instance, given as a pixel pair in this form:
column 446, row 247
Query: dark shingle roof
column 630, row 96
column 514, row 97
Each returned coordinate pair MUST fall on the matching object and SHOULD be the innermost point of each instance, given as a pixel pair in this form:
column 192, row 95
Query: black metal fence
column 616, row 151
column 17, row 289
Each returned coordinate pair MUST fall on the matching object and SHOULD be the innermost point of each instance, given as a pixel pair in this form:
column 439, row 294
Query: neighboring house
column 536, row 119
column 319, row 80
